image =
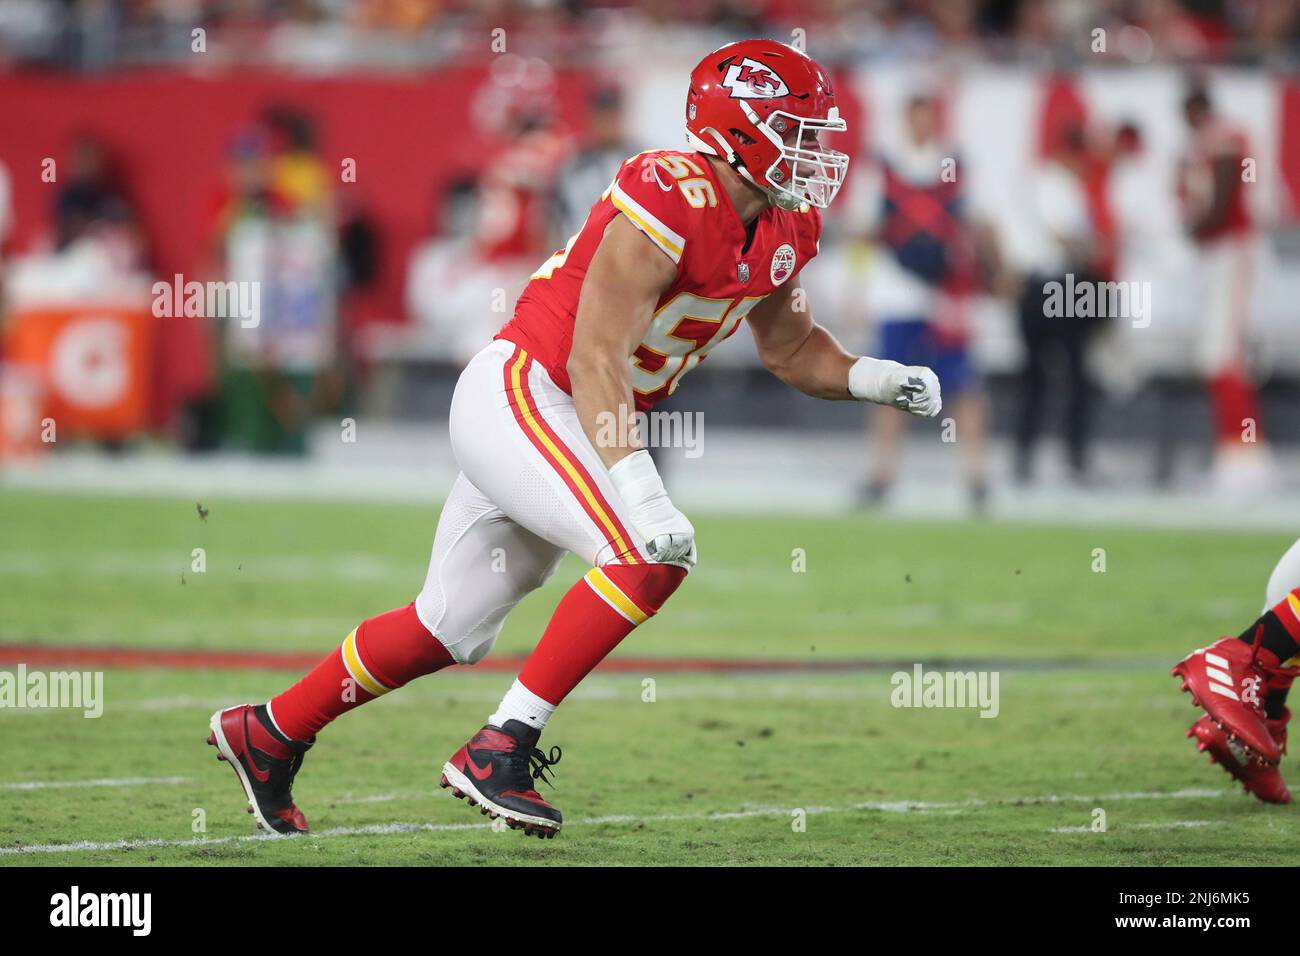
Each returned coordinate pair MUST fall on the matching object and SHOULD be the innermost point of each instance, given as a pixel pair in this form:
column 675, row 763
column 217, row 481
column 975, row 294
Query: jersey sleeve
column 647, row 194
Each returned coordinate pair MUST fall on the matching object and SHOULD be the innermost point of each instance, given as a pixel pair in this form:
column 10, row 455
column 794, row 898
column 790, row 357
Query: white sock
column 522, row 704
column 271, row 717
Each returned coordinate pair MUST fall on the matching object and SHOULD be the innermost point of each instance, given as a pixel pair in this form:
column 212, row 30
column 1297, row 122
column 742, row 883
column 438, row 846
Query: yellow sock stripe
column 352, row 661
column 1293, row 605
column 607, row 589
column 521, row 400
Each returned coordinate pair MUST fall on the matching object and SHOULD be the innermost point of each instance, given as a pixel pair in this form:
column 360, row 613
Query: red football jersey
column 676, row 200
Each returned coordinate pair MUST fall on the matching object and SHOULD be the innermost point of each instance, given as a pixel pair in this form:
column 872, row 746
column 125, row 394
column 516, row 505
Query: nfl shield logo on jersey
column 782, row 263
column 742, row 272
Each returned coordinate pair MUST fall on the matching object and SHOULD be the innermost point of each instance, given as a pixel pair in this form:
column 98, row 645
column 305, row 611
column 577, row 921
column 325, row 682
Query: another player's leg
column 951, row 361
column 901, row 340
column 1242, row 682
column 1242, row 461
column 265, row 744
column 555, row 484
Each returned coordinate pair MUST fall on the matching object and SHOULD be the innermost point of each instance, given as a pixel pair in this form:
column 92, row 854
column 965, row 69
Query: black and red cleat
column 265, row 761
column 495, row 772
column 1264, row 780
column 1227, row 680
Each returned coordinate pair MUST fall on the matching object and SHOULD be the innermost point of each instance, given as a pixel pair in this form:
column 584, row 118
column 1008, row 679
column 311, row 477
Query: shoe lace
column 534, row 762
column 1269, row 670
column 295, row 764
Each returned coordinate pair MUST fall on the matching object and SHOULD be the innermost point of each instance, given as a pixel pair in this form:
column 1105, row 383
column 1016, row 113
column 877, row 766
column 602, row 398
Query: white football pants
column 531, row 487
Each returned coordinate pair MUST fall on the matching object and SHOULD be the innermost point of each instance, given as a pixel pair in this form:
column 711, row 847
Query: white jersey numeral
column 684, row 330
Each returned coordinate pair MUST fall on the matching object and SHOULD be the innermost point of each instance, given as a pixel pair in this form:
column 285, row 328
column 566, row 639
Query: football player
column 681, row 248
column 1242, row 683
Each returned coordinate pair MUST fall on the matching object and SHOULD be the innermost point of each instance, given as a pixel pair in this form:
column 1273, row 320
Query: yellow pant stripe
column 607, row 589
column 560, row 457
column 352, row 661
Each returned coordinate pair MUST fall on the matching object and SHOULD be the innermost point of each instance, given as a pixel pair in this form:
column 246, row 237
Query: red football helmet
column 760, row 105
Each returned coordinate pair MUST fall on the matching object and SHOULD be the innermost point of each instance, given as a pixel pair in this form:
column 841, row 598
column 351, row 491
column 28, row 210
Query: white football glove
column 913, row 388
column 669, row 534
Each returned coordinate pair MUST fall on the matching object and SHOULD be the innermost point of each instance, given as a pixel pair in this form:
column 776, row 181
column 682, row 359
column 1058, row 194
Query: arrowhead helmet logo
column 752, row 80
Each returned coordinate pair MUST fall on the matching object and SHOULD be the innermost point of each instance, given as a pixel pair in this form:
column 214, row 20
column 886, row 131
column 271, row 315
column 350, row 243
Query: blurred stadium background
column 391, row 171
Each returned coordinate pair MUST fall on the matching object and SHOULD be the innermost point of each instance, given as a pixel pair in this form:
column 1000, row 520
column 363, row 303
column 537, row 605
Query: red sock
column 383, row 653
column 590, row 621
column 1235, row 401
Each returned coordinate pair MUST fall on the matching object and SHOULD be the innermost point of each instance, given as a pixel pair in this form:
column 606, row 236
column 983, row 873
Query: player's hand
column 669, row 534
column 912, row 388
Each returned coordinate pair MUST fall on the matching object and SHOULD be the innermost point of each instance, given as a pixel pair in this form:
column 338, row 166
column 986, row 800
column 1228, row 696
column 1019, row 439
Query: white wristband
column 637, row 479
column 869, row 380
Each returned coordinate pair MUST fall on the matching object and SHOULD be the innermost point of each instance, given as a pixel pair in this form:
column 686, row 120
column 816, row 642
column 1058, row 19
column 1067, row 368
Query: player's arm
column 624, row 281
column 806, row 356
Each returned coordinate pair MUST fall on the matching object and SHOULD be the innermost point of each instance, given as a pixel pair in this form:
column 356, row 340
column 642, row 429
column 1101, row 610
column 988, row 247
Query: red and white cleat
column 1226, row 680
column 495, row 771
column 265, row 761
column 1262, row 779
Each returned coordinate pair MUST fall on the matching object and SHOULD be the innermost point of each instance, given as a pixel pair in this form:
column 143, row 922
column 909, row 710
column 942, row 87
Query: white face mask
column 816, row 173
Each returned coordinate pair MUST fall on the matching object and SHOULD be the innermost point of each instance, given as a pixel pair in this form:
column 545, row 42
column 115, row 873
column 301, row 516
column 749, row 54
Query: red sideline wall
column 169, row 135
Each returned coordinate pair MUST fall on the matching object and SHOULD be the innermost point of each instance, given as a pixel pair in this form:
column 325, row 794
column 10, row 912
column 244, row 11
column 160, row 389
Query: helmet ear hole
column 743, row 138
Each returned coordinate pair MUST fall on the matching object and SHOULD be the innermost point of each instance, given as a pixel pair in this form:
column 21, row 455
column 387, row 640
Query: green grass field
column 788, row 768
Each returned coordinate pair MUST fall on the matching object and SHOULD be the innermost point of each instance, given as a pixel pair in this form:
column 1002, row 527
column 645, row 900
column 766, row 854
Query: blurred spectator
column 89, row 197
column 297, row 173
column 1066, row 257
column 1212, row 193
column 277, row 239
column 451, row 286
column 518, row 185
column 591, row 169
column 94, row 34
column 921, row 291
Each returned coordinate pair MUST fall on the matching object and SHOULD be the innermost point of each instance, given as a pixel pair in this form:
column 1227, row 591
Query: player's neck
column 747, row 199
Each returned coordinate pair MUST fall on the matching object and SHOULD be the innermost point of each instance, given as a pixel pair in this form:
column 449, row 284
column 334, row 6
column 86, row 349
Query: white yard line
column 1168, row 825
column 377, row 829
column 96, row 782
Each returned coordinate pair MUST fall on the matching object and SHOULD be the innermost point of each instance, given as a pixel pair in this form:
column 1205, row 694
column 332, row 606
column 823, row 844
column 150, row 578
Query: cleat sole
column 461, row 787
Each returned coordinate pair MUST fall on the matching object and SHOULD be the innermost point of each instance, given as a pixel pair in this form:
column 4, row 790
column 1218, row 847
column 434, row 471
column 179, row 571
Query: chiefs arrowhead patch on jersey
column 782, row 263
